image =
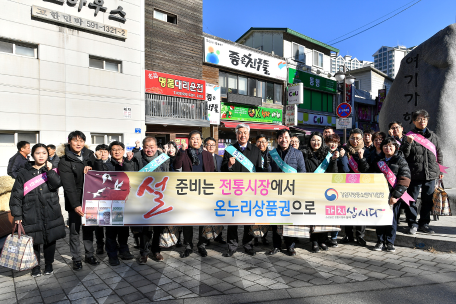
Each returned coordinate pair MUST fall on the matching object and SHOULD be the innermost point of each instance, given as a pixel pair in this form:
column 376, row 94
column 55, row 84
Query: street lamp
column 344, row 78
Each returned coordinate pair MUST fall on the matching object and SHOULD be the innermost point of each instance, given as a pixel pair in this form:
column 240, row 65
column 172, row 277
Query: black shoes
column 36, row 271
column 323, row 246
column 332, row 243
column 390, row 248
column 202, row 251
column 426, row 229
column 142, row 259
column 114, row 261
column 126, row 255
column 255, row 242
column 48, row 270
column 100, row 250
column 77, row 265
column 179, row 243
column 361, row 241
column 92, row 261
column 291, row 252
column 273, row 251
column 378, row 246
column 265, row 241
column 229, row 253
column 347, row 240
column 186, row 253
column 315, row 247
column 220, row 240
column 250, row 252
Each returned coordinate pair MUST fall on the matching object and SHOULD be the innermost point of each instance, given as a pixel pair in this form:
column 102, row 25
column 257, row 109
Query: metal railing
column 175, row 107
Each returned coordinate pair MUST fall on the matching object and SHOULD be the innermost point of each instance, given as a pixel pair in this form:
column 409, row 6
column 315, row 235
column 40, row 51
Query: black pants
column 277, row 240
column 427, row 191
column 48, row 251
column 232, row 238
column 358, row 230
column 188, row 237
column 147, row 240
column 387, row 234
column 74, row 221
column 319, row 237
column 99, row 235
column 114, row 234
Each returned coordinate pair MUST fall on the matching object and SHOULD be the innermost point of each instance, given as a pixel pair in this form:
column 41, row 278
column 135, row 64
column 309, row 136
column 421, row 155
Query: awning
column 255, row 126
column 309, row 130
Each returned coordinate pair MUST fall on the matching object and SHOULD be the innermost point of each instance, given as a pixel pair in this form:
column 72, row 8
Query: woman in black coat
column 314, row 155
column 39, row 210
column 374, row 155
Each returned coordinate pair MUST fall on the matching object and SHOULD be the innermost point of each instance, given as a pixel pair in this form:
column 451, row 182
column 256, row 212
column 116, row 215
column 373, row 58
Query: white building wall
column 58, row 92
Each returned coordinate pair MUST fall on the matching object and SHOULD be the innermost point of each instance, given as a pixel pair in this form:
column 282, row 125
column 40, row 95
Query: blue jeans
column 334, row 235
column 427, row 191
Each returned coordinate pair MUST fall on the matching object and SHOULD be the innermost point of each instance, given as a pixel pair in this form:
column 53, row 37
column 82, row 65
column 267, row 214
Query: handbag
column 258, row 230
column 211, row 232
column 441, row 205
column 168, row 237
column 17, row 252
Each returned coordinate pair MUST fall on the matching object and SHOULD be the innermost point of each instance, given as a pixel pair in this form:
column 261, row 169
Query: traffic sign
column 343, row 123
column 344, row 110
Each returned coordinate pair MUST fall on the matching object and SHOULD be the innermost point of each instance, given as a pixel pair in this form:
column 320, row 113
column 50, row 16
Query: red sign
column 181, row 140
column 344, row 110
column 348, row 92
column 176, row 86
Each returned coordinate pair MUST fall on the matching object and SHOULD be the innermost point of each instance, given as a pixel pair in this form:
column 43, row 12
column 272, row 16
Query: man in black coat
column 424, row 169
column 230, row 164
column 19, row 159
column 76, row 162
column 194, row 159
column 53, row 158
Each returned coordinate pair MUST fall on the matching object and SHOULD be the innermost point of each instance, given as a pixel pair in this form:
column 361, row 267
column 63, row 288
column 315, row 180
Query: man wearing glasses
column 262, row 144
column 425, row 168
column 295, row 142
column 395, row 130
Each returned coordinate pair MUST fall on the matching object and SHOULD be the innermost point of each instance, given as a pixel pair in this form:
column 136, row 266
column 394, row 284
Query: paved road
column 347, row 274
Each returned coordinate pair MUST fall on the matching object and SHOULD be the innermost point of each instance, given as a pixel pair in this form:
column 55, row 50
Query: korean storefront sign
column 364, row 112
column 177, row 86
column 381, row 99
column 188, row 198
column 75, row 21
column 254, row 114
column 291, row 115
column 180, row 141
column 295, row 93
column 243, row 59
column 312, row 81
column 316, row 119
column 213, row 103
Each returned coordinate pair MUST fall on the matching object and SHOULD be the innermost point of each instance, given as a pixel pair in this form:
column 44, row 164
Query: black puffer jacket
column 313, row 161
column 373, row 158
column 401, row 170
column 39, row 210
column 71, row 170
column 113, row 165
column 421, row 161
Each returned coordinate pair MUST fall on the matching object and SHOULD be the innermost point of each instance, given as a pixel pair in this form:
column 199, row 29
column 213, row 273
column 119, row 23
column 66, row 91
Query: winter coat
column 401, row 170
column 139, row 161
column 183, row 161
column 313, row 162
column 113, row 165
column 71, row 170
column 15, row 163
column 353, row 152
column 55, row 161
column 40, row 209
column 422, row 162
column 252, row 152
column 294, row 158
column 373, row 158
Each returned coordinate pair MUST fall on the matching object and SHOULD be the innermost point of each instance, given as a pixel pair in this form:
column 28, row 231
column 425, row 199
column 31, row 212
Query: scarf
column 194, row 155
column 353, row 150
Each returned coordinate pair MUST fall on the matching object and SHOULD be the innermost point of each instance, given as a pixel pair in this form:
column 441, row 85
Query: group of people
column 415, row 167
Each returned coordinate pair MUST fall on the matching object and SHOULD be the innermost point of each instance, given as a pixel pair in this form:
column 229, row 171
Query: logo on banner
column 333, row 196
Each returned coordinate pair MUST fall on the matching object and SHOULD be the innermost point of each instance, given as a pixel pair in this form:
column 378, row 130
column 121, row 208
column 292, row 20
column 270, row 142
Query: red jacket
column 183, row 161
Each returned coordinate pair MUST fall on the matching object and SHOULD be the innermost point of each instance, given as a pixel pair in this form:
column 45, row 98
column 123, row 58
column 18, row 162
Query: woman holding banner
column 319, row 159
column 397, row 172
column 35, row 203
column 374, row 155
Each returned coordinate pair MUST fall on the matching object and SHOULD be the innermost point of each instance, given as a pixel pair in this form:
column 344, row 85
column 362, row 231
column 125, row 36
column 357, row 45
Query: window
column 298, row 52
column 261, row 89
column 6, row 138
column 98, row 139
column 252, row 87
column 269, row 92
column 105, row 64
column 165, row 17
column 357, row 84
column 318, row 59
column 232, row 84
column 15, row 137
column 18, row 48
column 222, row 83
column 242, row 85
column 277, row 93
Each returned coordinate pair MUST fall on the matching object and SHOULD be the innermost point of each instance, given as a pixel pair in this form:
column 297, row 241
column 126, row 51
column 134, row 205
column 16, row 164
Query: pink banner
column 36, row 181
column 353, row 164
column 428, row 145
column 391, row 178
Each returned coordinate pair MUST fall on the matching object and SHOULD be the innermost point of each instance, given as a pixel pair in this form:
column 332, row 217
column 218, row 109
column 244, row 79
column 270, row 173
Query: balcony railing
column 175, row 107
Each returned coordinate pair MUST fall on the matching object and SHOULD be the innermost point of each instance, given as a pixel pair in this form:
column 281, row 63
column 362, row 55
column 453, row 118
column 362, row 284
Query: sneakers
column 36, row 271
column 48, row 270
column 378, row 246
column 332, row 243
column 273, row 251
column 426, row 229
column 413, row 230
column 390, row 248
column 126, row 255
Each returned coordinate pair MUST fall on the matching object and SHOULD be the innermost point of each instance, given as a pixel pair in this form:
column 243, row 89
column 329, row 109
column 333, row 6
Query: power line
column 376, row 24
column 370, row 22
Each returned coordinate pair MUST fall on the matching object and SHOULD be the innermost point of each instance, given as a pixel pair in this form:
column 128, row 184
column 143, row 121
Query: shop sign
column 138, row 130
column 127, row 112
column 344, row 123
column 312, row 81
column 213, row 103
column 254, row 114
column 295, row 93
column 349, row 96
column 381, row 99
column 181, row 140
column 364, row 112
column 242, row 59
column 176, row 86
column 75, row 21
column 316, row 119
column 291, row 115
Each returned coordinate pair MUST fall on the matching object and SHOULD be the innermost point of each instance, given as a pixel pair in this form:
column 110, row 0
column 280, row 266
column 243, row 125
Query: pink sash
column 428, row 145
column 391, row 178
column 36, row 181
column 353, row 164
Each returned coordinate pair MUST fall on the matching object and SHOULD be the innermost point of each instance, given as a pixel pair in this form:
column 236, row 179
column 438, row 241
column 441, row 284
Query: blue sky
column 326, row 20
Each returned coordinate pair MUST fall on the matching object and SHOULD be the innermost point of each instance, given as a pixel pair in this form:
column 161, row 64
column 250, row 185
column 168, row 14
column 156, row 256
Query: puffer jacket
column 139, row 161
column 372, row 158
column 313, row 162
column 113, row 165
column 422, row 162
column 294, row 158
column 40, row 209
column 401, row 170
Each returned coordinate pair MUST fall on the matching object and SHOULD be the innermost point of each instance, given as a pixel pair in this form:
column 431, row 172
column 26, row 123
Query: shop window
column 261, row 89
column 318, row 59
column 222, row 83
column 98, row 139
column 232, row 84
column 269, row 92
column 105, row 64
column 6, row 138
column 18, row 48
column 252, row 84
column 357, row 84
column 278, row 93
column 242, row 85
column 13, row 138
column 298, row 52
column 166, row 17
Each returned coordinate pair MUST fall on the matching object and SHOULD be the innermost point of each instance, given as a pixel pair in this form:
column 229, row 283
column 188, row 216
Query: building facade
column 68, row 66
column 388, row 59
